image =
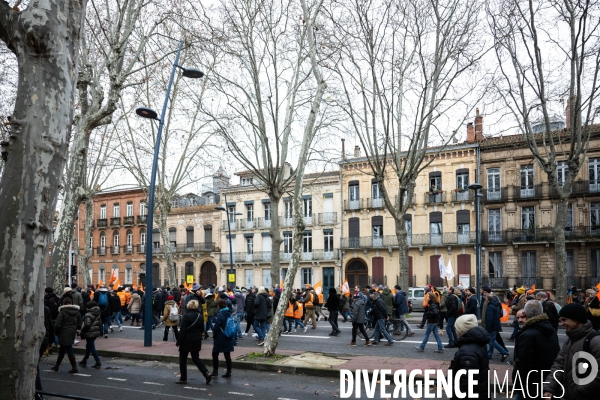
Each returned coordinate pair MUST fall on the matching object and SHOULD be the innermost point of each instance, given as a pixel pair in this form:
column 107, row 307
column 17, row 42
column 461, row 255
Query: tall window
column 463, row 226
column 328, row 240
column 435, row 228
column 287, row 242
column 143, row 208
column 570, row 263
column 495, row 264
column 353, row 194
column 101, row 275
column 493, row 184
column 377, row 227
column 595, row 264
column 129, row 240
column 102, row 241
column 561, row 172
column 527, row 188
column 408, row 227
column 528, row 264
column 116, row 210
column 569, row 223
column 307, row 207
column 128, row 276
column 143, row 237
column 594, row 174
column 249, row 212
column 103, row 211
column 129, row 209
column 91, row 241
column 116, row 238
column 375, row 192
column 307, row 242
column 231, row 213
column 435, row 183
column 306, row 276
column 267, row 214
column 189, row 236
column 494, row 225
column 528, row 218
column 595, row 216
column 462, row 181
column 249, row 277
column 173, row 237
column 249, row 245
column 287, row 209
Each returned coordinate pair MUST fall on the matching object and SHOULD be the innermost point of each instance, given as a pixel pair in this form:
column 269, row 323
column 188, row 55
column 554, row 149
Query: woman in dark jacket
column 67, row 324
column 190, row 341
column 471, row 355
column 358, row 322
column 433, row 315
column 222, row 343
column 92, row 326
column 333, row 304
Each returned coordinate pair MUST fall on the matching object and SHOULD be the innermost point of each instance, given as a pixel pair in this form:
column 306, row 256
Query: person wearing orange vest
column 123, row 299
column 425, row 306
column 289, row 316
column 298, row 312
column 310, row 298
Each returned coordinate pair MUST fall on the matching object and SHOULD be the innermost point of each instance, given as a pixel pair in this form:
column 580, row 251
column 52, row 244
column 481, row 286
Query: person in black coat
column 66, row 327
column 471, row 302
column 433, row 319
column 92, row 329
column 492, row 325
column 249, row 309
column 190, row 341
column 105, row 310
column 451, row 316
column 333, row 304
column 262, row 311
column 471, row 355
column 222, row 343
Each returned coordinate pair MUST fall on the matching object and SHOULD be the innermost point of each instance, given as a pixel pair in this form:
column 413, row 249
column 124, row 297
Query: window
column 435, row 183
column 102, row 242
column 570, row 263
column 287, row 209
column 129, row 240
column 493, row 184
column 353, row 192
column 231, row 213
column 143, row 237
column 101, row 274
column 307, row 207
column 377, row 226
column 595, row 216
column 129, row 209
column 375, row 192
column 527, row 188
column 249, row 245
column 435, row 228
column 155, row 238
column 494, row 225
column 287, row 242
column 247, row 181
column 266, row 278
column 306, row 276
column 408, row 227
column 248, row 278
column 528, row 218
column 116, row 242
column 569, row 222
column 462, row 180
column 528, row 264
column 561, row 172
column 143, row 208
column 116, row 211
column 328, row 240
column 594, row 174
column 91, row 242
column 173, row 237
column 103, row 211
column 595, row 264
column 267, row 214
column 249, row 212
column 463, row 220
column 495, row 264
column 282, row 274
column 189, row 236
column 307, row 242
column 128, row 275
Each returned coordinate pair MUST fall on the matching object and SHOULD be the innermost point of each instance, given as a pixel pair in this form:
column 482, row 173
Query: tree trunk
column 45, row 38
column 560, row 249
column 74, row 192
column 401, row 235
column 276, row 240
column 84, row 257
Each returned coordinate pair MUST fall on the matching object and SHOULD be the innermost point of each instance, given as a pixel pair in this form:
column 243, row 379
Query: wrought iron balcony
column 286, row 222
column 101, row 251
column 495, row 282
column 410, row 201
column 233, row 224
column 329, row 218
column 528, row 281
column 101, row 223
column 375, row 203
column 141, row 248
column 421, row 239
column 531, row 192
column 264, row 223
column 493, row 237
column 352, row 205
column 128, row 249
column 530, row 235
column 492, row 195
column 115, row 221
column 435, row 198
column 244, row 223
column 115, row 250
column 265, row 256
column 195, row 247
column 142, row 219
column 462, row 195
column 309, row 220
column 128, row 221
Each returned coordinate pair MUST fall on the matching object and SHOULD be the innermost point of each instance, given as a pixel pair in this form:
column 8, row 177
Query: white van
column 416, row 296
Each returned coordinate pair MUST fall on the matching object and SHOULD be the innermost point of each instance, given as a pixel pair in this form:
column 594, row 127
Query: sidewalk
column 295, row 362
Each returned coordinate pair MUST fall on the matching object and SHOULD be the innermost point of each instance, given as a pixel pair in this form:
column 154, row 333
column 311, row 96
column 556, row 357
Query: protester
column 92, row 327
column 451, row 315
column 379, row 314
column 433, row 315
column 561, row 378
column 249, row 309
column 134, row 308
column 358, row 321
column 101, row 298
column 549, row 309
column 222, row 343
column 170, row 312
column 67, row 324
column 262, row 312
column 190, row 341
column 333, row 304
column 115, row 304
column 471, row 355
column 401, row 308
column 518, row 304
column 493, row 327
column 471, row 301
column 310, row 301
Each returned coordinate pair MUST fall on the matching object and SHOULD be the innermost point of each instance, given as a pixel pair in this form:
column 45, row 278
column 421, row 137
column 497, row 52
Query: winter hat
column 261, row 289
column 486, row 288
column 170, row 297
column 397, row 287
column 464, row 323
column 472, row 290
column 67, row 290
column 207, row 292
column 521, row 290
column 244, row 290
column 574, row 311
column 195, row 287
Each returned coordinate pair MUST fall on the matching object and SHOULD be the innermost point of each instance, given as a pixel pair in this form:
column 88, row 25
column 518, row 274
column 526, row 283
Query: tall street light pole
column 221, row 208
column 145, row 112
column 476, row 187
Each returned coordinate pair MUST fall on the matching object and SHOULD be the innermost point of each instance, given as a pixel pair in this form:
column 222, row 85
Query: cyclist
column 401, row 307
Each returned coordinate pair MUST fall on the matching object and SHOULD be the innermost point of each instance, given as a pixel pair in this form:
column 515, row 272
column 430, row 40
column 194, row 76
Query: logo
column 585, row 368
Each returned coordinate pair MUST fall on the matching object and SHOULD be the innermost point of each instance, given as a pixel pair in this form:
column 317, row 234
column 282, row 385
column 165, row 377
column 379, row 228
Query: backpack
column 461, row 308
column 53, row 306
column 557, row 307
column 230, row 328
column 588, row 339
column 103, row 299
column 174, row 314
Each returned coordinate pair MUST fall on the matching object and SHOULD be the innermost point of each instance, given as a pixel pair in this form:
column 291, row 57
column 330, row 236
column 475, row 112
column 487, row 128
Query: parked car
column 410, row 307
column 415, row 298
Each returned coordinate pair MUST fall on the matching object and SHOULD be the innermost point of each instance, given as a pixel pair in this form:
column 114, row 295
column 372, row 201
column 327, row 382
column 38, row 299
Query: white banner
column 449, row 270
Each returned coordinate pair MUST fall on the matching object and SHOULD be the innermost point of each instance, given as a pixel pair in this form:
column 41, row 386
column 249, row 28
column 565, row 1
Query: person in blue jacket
column 222, row 343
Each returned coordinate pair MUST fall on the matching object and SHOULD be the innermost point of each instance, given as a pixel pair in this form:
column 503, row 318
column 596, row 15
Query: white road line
column 242, row 394
column 117, row 379
column 81, row 375
column 154, row 383
column 195, row 388
column 308, row 337
column 284, row 398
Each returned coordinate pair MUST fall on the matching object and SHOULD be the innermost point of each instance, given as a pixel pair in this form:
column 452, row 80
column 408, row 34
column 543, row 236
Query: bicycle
column 394, row 326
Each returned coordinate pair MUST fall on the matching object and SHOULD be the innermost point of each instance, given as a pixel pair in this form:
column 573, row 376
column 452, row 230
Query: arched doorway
column 208, row 274
column 357, row 273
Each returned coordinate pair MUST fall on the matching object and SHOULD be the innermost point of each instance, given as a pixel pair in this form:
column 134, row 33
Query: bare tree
column 549, row 51
column 45, row 37
column 115, row 35
column 402, row 69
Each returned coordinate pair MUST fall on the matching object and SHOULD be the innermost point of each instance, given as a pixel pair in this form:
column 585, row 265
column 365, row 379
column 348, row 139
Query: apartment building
column 251, row 240
column 440, row 221
column 519, row 211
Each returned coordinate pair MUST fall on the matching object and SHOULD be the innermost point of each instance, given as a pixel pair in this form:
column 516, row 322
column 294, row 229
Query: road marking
column 117, row 379
column 195, row 388
column 284, row 398
column 81, row 375
column 242, row 394
column 310, row 337
column 154, row 383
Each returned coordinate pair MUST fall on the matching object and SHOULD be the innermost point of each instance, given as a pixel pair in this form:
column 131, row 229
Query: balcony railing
column 350, row 205
column 493, row 236
column 591, row 281
column 128, row 249
column 115, row 221
column 142, row 219
column 265, row 256
column 465, row 195
column 245, row 223
column 492, row 195
column 328, row 218
column 421, row 239
column 435, row 198
column 101, row 223
column 128, row 221
column 263, row 223
column 495, row 282
column 410, row 201
column 141, row 248
column 286, row 221
column 527, row 281
column 233, row 224
column 195, row 247
column 116, row 250
column 531, row 192
column 530, row 235
column 101, row 251
column 375, row 203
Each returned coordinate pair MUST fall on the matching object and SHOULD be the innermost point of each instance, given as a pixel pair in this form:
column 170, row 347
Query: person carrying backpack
column 190, row 341
column 101, row 297
column 222, row 343
column 170, row 317
column 51, row 300
column 452, row 306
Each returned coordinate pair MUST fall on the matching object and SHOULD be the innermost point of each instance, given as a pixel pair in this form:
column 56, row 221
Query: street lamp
column 146, row 112
column 221, row 208
column 476, row 187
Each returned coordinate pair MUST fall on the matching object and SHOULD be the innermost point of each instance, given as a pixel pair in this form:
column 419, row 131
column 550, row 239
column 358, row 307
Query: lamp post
column 145, row 112
column 476, row 187
column 221, row 208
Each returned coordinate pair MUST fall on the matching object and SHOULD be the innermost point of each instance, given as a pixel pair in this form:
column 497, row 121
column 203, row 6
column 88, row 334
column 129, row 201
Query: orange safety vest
column 122, row 297
column 309, row 303
column 426, row 300
column 290, row 310
column 321, row 299
column 127, row 297
column 299, row 311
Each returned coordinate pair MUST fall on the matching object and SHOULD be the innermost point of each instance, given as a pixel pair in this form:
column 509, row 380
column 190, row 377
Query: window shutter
column 353, row 227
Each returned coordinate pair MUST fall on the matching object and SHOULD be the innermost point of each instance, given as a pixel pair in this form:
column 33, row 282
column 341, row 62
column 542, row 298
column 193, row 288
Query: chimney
column 356, row 151
column 344, row 149
column 478, row 126
column 470, row 133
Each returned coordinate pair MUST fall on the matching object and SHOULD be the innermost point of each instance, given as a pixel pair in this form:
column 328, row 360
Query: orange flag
column 113, row 277
column 100, row 283
column 281, row 285
column 318, row 288
column 598, row 292
column 134, row 287
column 141, row 286
column 532, row 290
column 117, row 284
column 505, row 313
column 346, row 288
